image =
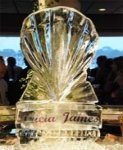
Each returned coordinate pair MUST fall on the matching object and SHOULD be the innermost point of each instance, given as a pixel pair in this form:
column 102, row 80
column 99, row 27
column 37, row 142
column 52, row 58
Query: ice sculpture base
column 52, row 121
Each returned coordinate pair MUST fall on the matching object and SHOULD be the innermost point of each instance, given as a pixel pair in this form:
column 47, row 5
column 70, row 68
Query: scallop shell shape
column 59, row 44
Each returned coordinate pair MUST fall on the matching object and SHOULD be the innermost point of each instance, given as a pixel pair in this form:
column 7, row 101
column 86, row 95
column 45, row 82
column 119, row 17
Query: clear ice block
column 58, row 103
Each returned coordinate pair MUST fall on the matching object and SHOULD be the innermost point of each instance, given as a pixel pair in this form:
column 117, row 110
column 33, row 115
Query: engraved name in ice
column 66, row 117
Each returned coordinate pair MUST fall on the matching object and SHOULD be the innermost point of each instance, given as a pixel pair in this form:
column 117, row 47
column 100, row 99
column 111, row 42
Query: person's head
column 2, row 70
column 1, row 59
column 101, row 60
column 11, row 61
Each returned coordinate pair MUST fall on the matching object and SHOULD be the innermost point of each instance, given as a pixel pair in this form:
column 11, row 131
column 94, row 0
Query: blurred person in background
column 117, row 89
column 13, row 71
column 12, row 74
column 100, row 74
column 3, row 84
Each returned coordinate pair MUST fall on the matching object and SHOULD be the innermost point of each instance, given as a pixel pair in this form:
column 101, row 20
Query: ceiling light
column 102, row 9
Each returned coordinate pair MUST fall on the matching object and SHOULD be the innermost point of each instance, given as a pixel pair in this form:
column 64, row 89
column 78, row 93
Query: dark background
column 110, row 22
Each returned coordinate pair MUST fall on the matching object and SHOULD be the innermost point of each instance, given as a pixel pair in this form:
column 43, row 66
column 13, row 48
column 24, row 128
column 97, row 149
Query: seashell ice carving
column 58, row 103
column 59, row 44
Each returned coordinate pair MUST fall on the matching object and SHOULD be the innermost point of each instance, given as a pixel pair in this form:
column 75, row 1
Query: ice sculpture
column 58, row 103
